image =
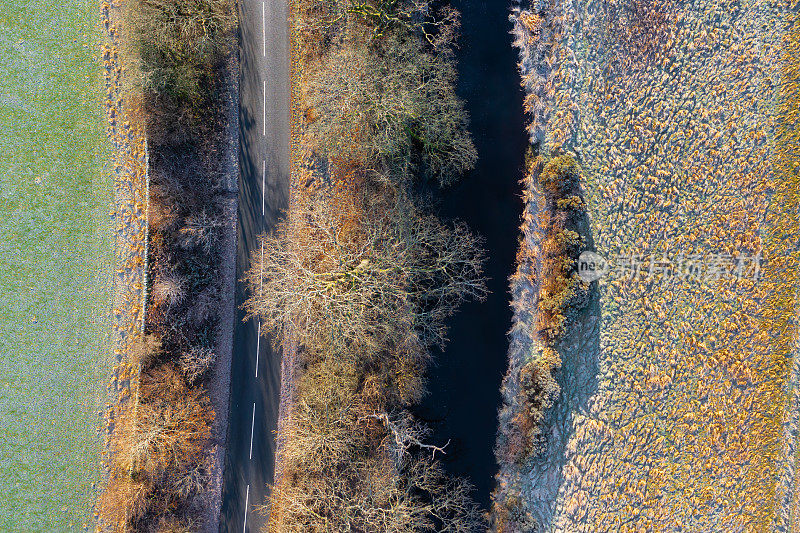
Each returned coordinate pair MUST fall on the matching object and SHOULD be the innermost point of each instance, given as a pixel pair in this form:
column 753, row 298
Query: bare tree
column 195, row 480
column 403, row 434
column 174, row 524
column 169, row 287
column 320, row 20
column 361, row 486
column 201, row 229
column 383, row 102
column 356, row 275
column 172, row 422
column 195, row 362
column 177, row 41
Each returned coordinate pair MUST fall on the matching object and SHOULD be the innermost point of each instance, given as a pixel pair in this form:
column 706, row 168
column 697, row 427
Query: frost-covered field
column 57, row 252
column 683, row 117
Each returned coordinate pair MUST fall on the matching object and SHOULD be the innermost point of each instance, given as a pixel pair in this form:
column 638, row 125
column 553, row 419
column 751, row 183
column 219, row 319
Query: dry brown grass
column 685, row 431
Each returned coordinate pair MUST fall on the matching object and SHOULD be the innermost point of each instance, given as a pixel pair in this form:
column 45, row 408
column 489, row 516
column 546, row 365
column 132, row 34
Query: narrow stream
column 464, row 386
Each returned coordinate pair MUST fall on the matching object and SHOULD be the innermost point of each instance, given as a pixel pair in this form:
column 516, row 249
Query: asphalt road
column 263, row 196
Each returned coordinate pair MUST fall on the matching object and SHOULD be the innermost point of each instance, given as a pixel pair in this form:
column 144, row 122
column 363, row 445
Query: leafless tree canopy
column 195, row 362
column 369, row 277
column 177, row 40
column 202, row 230
column 365, row 496
column 380, row 103
column 354, row 469
column 389, row 101
column 322, row 21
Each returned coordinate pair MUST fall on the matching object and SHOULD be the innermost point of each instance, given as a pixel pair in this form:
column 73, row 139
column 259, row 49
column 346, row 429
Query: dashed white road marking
column 246, row 504
column 263, row 183
column 264, row 28
column 265, row 108
column 252, row 426
column 261, row 273
column 258, row 345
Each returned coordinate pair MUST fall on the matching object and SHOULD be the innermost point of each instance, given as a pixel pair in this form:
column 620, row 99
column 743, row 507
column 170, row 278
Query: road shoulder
column 219, row 382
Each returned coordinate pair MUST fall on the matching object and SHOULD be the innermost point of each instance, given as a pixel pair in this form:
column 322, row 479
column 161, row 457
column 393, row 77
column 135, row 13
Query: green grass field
column 56, row 253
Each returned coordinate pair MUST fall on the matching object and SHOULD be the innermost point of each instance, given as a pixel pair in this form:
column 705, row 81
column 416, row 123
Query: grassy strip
column 57, row 265
column 174, row 58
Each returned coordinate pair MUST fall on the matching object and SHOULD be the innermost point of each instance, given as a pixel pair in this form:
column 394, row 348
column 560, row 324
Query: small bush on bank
column 560, row 174
column 561, row 291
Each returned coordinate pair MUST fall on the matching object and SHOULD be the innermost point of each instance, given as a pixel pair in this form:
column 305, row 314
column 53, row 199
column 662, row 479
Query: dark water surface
column 465, row 384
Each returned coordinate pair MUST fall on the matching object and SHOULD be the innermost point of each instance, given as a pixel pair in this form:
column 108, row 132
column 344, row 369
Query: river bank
column 677, row 115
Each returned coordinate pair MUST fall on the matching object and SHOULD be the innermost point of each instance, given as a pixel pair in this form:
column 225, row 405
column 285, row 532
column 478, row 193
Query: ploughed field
column 57, row 255
column 683, row 117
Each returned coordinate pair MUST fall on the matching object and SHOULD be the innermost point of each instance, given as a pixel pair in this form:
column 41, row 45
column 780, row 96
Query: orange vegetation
column 158, row 458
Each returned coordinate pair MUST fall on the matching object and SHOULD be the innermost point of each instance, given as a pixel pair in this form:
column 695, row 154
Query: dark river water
column 465, row 383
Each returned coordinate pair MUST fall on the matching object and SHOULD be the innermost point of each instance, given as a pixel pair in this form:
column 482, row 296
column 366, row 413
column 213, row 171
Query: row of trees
column 362, row 278
column 159, row 473
column 364, row 281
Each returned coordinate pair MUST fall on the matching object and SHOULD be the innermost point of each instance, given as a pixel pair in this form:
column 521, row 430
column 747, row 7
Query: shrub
column 173, row 524
column 172, row 424
column 573, row 202
column 560, row 174
column 178, row 41
column 195, row 362
column 193, row 481
column 201, row 230
column 568, row 239
column 168, row 288
column 124, row 503
column 146, row 349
